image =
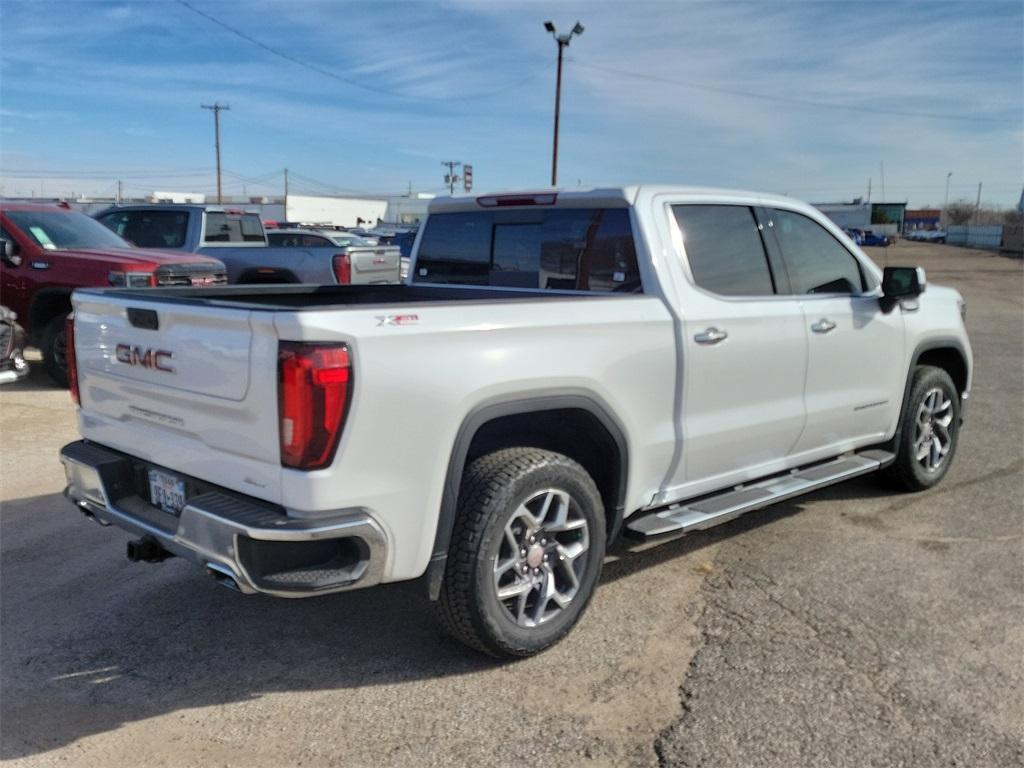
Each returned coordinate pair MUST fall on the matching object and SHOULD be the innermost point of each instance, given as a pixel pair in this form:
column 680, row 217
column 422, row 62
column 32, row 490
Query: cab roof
column 615, row 197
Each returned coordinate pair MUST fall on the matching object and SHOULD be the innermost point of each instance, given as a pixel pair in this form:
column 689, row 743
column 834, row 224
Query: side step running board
column 708, row 511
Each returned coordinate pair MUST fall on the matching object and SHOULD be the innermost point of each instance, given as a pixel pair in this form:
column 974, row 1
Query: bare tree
column 960, row 212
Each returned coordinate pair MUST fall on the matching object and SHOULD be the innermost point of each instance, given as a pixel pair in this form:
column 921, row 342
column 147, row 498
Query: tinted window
column 149, row 229
column 815, row 260
column 554, row 249
column 724, row 248
column 56, row 230
column 233, row 228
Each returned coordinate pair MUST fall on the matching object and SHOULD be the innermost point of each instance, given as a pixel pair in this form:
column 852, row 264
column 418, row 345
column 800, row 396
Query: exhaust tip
column 223, row 576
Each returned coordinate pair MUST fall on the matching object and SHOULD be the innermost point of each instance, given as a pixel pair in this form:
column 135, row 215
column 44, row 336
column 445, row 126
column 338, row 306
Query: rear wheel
column 929, row 430
column 55, row 350
column 526, row 552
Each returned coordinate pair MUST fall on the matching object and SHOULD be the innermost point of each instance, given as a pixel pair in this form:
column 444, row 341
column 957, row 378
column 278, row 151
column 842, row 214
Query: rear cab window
column 228, row 227
column 563, row 249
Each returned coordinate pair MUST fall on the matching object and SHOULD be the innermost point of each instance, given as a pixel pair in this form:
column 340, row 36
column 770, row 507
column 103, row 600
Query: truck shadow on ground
column 92, row 642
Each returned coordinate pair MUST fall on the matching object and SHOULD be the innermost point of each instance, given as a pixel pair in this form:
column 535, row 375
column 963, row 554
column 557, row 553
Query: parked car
column 360, row 261
column 926, row 235
column 237, row 238
column 301, row 237
column 12, row 344
column 50, row 250
column 563, row 366
column 867, row 237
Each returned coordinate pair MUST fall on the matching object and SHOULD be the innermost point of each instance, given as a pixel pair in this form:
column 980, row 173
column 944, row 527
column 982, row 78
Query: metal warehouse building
column 883, row 218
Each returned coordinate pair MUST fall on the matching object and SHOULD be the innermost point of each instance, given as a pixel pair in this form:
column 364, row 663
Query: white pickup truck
column 561, row 367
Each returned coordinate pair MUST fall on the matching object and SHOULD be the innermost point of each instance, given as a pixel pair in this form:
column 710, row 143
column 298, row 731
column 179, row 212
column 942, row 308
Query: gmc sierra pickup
column 560, row 368
column 237, row 238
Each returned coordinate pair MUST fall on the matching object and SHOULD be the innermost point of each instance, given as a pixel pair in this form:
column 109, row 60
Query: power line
column 105, row 174
column 348, row 80
column 791, row 99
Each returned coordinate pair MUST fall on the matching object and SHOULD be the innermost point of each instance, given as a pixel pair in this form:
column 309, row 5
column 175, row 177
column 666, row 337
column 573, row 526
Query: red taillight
column 492, row 201
column 314, row 386
column 69, row 356
column 342, row 269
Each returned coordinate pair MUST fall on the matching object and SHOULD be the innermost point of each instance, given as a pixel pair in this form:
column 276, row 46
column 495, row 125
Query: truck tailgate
column 172, row 384
column 375, row 264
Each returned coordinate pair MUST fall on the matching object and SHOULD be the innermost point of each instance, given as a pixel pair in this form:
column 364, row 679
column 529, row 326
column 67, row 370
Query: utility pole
column 869, row 189
column 882, row 166
column 216, row 108
column 563, row 43
column 945, row 202
column 977, row 204
column 118, row 191
column 450, row 178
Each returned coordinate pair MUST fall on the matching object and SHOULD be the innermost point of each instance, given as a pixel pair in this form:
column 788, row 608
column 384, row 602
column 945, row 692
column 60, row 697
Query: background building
column 925, row 218
column 882, row 218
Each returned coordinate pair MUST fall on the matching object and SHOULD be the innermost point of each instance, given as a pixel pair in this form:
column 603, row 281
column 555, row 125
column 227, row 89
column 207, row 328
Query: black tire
column 908, row 472
column 494, row 487
column 54, row 345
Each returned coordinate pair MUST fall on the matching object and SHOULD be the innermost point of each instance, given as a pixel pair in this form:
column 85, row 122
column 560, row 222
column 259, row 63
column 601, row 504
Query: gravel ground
column 851, row 627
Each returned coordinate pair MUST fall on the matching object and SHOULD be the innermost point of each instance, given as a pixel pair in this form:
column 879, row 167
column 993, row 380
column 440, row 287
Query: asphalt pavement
column 852, row 627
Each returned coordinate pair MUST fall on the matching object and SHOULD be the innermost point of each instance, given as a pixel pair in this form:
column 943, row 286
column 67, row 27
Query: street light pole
column 563, row 43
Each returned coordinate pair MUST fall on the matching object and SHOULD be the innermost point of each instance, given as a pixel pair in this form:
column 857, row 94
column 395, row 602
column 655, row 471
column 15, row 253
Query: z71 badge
column 398, row 320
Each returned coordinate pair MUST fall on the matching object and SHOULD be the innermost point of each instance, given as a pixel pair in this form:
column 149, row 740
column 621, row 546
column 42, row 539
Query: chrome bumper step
column 698, row 514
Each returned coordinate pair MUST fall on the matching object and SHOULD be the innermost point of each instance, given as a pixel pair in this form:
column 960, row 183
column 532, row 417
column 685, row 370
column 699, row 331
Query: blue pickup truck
column 237, row 238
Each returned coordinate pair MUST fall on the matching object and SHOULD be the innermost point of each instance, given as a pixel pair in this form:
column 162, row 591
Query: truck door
column 855, row 376
column 14, row 277
column 744, row 349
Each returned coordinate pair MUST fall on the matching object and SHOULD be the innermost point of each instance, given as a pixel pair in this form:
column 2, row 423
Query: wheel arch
column 46, row 304
column 532, row 421
column 947, row 353
column 948, row 356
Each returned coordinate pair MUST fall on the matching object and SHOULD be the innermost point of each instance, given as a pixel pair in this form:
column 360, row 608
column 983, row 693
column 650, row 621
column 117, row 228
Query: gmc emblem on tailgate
column 155, row 359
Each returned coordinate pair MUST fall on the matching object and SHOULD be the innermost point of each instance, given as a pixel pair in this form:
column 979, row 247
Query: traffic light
column 467, row 177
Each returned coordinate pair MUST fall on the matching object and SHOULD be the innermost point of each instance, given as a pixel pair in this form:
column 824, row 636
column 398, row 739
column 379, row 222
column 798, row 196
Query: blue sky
column 712, row 93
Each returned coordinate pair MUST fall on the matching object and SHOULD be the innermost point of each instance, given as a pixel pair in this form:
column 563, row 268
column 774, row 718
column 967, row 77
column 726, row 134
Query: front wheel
column 55, row 350
column 526, row 552
column 929, row 430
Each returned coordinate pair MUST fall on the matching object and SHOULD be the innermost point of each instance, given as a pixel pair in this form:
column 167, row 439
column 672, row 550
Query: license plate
column 166, row 491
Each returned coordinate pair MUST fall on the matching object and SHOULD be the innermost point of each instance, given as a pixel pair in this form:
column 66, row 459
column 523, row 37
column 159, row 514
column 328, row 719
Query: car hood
column 137, row 256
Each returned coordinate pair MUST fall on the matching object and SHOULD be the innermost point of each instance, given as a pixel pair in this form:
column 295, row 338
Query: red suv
column 46, row 251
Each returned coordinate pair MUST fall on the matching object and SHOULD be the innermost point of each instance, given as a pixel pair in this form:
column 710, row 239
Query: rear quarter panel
column 416, row 383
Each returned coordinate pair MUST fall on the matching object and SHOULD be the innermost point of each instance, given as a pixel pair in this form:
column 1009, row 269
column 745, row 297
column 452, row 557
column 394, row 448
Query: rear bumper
column 243, row 543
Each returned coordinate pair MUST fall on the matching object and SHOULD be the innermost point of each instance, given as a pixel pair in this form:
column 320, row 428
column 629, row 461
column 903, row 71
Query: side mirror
column 901, row 283
column 8, row 252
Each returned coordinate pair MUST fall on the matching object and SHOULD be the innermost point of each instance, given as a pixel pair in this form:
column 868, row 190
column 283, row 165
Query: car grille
column 191, row 274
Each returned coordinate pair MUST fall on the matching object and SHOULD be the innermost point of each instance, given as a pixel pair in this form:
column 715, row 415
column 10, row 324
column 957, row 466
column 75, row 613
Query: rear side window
column 570, row 249
column 149, row 229
column 233, row 228
column 815, row 260
column 724, row 249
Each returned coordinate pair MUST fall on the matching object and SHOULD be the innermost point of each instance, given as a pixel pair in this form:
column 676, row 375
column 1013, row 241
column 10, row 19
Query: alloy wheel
column 932, row 433
column 542, row 558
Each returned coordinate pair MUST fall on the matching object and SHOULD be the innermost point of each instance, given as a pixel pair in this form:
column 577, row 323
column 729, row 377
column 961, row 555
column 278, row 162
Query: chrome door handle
column 823, row 326
column 710, row 336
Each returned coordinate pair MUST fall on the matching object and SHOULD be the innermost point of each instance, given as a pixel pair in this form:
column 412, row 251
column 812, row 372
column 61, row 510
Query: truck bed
column 319, row 297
